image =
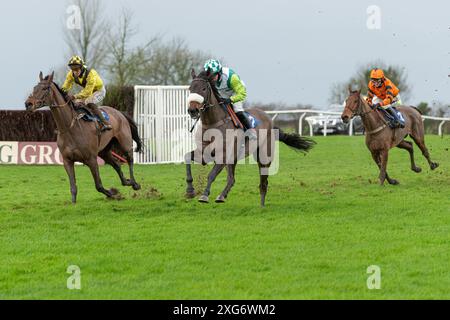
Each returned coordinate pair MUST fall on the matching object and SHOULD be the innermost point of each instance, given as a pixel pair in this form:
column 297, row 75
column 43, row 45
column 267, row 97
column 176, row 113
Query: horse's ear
column 41, row 76
column 359, row 91
column 193, row 75
column 50, row 79
column 350, row 89
column 208, row 73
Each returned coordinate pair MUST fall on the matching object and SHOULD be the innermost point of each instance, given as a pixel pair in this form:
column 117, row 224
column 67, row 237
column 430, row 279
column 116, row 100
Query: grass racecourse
column 326, row 221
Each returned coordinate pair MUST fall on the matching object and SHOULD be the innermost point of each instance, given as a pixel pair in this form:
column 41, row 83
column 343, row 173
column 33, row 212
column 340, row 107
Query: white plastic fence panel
column 163, row 123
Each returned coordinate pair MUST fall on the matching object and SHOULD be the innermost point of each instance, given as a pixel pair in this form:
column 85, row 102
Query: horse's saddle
column 85, row 114
column 390, row 119
column 254, row 122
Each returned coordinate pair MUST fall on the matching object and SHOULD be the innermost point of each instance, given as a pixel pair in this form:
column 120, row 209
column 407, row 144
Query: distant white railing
column 304, row 112
column 163, row 123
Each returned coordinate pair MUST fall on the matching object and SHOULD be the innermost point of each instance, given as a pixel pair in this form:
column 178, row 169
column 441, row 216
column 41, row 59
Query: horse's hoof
column 113, row 191
column 394, row 182
column 434, row 165
column 136, row 186
column 190, row 195
column 220, row 199
column 203, row 199
column 417, row 169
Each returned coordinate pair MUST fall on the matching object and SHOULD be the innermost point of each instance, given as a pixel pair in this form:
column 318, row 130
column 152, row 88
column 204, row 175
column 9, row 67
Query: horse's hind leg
column 126, row 146
column 420, row 141
column 113, row 162
column 409, row 147
column 230, row 182
column 130, row 159
column 264, row 182
column 69, row 166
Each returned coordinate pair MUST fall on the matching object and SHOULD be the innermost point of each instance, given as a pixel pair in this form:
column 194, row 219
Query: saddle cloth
column 86, row 115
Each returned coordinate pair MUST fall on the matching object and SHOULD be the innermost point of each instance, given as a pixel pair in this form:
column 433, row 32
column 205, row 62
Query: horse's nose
column 28, row 105
column 345, row 119
column 192, row 112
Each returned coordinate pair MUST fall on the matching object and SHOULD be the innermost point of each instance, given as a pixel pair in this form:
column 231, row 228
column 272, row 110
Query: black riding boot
column 398, row 122
column 249, row 131
column 103, row 122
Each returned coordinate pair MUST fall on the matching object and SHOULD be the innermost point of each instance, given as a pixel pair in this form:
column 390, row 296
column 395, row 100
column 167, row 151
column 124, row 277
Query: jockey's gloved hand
column 377, row 106
column 226, row 101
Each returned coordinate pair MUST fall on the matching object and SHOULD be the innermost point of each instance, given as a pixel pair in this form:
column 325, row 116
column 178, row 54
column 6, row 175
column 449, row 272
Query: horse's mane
column 64, row 94
column 204, row 75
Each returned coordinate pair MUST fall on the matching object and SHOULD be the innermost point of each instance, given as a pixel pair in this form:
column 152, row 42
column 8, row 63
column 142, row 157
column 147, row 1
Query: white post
column 276, row 115
column 325, row 125
column 300, row 124
column 158, row 123
column 350, row 127
column 440, row 128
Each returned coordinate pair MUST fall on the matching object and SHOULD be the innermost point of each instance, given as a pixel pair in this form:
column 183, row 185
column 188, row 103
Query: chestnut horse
column 204, row 104
column 380, row 137
column 80, row 141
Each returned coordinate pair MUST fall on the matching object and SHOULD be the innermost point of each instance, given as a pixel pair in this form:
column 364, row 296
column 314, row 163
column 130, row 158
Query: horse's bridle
column 356, row 111
column 207, row 102
column 41, row 101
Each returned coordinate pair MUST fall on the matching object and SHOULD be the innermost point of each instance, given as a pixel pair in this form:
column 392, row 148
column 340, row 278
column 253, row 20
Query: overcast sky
column 285, row 51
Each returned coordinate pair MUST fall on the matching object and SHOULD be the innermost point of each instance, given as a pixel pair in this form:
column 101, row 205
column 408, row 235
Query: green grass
column 325, row 222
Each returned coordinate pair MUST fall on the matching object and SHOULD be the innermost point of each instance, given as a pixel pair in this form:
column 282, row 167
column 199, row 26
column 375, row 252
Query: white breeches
column 397, row 101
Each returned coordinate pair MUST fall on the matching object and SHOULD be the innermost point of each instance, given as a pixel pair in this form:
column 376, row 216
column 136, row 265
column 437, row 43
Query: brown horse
column 380, row 137
column 81, row 141
column 219, row 130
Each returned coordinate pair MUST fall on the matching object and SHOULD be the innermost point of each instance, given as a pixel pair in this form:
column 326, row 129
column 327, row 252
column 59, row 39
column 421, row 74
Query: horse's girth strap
column 377, row 129
column 218, row 123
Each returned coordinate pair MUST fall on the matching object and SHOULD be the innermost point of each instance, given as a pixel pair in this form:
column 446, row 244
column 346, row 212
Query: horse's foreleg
column 93, row 166
column 211, row 177
column 409, row 147
column 230, row 182
column 377, row 159
column 383, row 166
column 70, row 169
column 188, row 158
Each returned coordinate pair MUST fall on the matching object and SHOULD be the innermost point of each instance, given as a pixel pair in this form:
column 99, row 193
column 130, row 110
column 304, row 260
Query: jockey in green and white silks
column 232, row 90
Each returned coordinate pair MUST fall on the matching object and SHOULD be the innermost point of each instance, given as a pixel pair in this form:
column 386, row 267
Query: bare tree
column 155, row 62
column 171, row 63
column 397, row 74
column 125, row 65
column 88, row 41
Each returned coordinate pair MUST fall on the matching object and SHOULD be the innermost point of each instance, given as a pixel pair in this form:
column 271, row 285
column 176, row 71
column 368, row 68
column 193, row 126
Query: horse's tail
column 295, row 141
column 134, row 132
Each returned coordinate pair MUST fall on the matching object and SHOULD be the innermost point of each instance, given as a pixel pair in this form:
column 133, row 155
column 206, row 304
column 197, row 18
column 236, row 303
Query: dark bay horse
column 380, row 137
column 217, row 124
column 80, row 141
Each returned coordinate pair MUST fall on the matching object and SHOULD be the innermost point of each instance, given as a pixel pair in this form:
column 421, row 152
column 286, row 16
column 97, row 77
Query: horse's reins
column 42, row 101
column 206, row 103
column 366, row 113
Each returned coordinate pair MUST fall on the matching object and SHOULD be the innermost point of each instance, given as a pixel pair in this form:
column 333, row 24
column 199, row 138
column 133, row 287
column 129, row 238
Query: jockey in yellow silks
column 93, row 91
